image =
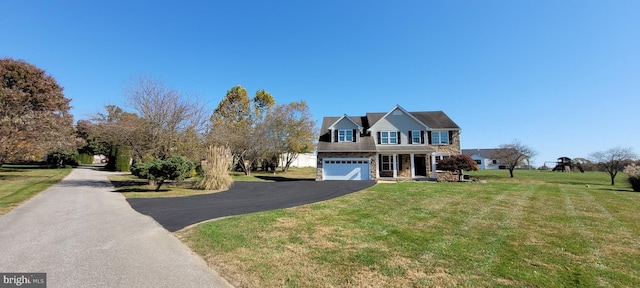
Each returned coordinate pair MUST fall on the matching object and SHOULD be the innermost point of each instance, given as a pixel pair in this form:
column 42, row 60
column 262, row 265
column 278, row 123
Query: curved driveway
column 243, row 197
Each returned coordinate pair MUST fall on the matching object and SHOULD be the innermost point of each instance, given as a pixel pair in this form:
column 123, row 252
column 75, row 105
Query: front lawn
column 133, row 187
column 18, row 183
column 539, row 229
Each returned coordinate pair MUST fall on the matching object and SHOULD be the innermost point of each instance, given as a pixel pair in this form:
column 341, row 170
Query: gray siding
column 345, row 124
column 402, row 123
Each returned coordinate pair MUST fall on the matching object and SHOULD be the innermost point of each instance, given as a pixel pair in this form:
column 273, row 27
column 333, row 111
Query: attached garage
column 345, row 169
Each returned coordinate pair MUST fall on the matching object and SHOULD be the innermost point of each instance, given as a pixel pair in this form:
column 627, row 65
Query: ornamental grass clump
column 215, row 172
column 633, row 171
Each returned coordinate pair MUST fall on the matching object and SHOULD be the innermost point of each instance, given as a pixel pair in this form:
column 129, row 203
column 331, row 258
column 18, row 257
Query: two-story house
column 397, row 144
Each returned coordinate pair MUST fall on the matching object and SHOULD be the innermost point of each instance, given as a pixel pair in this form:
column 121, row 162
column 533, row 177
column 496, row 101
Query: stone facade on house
column 398, row 144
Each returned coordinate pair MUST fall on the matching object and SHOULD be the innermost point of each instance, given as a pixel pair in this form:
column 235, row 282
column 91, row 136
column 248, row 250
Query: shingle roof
column 484, row 153
column 436, row 120
column 433, row 119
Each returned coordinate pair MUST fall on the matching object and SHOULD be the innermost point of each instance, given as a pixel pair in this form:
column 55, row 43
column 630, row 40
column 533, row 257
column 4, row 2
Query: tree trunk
column 246, row 166
column 511, row 172
column 159, row 184
column 612, row 180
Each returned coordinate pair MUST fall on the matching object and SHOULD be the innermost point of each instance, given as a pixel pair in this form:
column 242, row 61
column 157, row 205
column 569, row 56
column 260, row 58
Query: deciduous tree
column 613, row 160
column 238, row 123
column 513, row 154
column 292, row 131
column 117, row 129
column 34, row 114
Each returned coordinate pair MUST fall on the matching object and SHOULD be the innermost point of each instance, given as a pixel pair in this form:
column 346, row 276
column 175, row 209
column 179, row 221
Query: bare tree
column 168, row 115
column 613, row 160
column 513, row 154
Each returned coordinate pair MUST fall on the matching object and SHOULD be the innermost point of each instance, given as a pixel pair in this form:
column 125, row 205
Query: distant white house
column 484, row 158
column 303, row 160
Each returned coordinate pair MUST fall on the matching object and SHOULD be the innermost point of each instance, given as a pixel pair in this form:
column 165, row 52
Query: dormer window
column 345, row 135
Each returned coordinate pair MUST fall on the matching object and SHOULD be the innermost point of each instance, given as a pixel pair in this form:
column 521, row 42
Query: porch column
column 395, row 165
column 413, row 167
column 377, row 166
column 433, row 167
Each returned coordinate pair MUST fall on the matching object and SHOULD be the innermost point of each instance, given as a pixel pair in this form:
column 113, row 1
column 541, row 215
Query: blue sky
column 561, row 76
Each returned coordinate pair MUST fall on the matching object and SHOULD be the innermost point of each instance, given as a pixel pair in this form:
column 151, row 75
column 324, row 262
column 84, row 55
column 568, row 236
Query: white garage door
column 346, row 169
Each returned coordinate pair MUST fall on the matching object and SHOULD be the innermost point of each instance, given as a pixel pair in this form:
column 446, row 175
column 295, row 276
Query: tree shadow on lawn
column 283, row 179
column 123, row 186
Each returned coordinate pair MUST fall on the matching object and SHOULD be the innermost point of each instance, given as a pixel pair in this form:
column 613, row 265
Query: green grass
column 539, row 229
column 133, row 187
column 18, row 183
column 292, row 173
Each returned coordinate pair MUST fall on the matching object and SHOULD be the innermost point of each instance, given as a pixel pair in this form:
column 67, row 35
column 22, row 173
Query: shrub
column 123, row 159
column 140, row 170
column 633, row 171
column 84, row 158
column 174, row 168
column 62, row 159
column 458, row 163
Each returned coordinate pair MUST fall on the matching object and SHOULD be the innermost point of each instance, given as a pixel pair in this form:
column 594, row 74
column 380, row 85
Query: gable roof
column 359, row 125
column 397, row 107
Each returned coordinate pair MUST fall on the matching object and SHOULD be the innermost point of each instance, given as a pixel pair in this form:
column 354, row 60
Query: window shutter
column 379, row 140
column 421, row 136
column 410, row 138
column 429, row 137
column 336, row 136
column 450, row 137
column 398, row 135
column 354, row 135
column 399, row 162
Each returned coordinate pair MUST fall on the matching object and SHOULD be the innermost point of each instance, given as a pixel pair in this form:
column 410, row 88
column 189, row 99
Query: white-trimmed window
column 345, row 135
column 440, row 137
column 387, row 163
column 416, row 137
column 388, row 137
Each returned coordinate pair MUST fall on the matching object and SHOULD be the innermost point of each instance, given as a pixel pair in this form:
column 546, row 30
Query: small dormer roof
column 345, row 117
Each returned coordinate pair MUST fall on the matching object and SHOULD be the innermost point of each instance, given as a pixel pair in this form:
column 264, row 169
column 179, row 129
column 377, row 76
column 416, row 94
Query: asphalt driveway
column 242, row 198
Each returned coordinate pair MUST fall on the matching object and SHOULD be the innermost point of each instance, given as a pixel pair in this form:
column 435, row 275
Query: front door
column 421, row 165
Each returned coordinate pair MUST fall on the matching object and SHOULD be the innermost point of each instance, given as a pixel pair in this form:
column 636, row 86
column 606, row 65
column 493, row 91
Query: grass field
column 133, row 187
column 18, row 183
column 539, row 229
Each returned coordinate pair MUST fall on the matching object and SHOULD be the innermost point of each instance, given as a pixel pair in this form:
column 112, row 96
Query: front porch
column 412, row 166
